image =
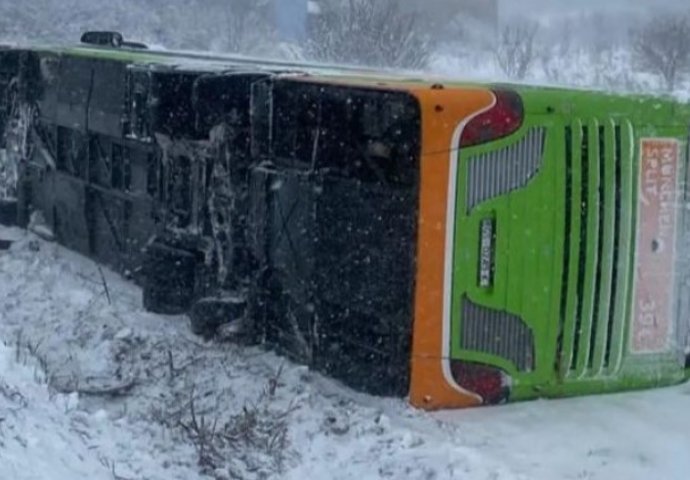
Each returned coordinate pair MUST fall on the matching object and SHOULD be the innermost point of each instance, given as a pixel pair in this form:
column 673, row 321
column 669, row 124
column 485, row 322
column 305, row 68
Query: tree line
column 384, row 33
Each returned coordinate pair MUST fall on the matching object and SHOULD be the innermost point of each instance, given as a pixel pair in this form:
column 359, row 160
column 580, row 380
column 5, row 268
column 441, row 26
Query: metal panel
column 625, row 238
column 498, row 172
column 590, row 254
column 571, row 289
column 594, row 307
column 497, row 333
column 609, row 212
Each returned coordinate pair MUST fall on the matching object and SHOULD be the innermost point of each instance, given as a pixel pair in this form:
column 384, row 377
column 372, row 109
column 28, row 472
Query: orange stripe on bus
column 443, row 110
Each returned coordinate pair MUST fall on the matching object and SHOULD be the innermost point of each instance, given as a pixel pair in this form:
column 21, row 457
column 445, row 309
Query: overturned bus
column 463, row 244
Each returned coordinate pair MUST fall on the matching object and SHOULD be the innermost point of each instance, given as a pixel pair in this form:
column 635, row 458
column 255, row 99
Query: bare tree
column 221, row 25
column 662, row 46
column 369, row 32
column 246, row 25
column 515, row 49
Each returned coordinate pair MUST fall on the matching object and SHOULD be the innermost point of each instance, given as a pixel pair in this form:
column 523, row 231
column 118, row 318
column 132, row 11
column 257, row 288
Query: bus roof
column 194, row 61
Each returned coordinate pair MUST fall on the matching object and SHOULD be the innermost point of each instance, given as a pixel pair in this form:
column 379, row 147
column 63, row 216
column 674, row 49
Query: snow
column 313, row 7
column 92, row 390
column 95, row 389
column 37, row 437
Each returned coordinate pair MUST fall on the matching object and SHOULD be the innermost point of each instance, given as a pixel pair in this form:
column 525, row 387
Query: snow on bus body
column 516, row 215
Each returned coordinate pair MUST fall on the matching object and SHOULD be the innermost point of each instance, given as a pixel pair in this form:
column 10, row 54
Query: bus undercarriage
column 231, row 196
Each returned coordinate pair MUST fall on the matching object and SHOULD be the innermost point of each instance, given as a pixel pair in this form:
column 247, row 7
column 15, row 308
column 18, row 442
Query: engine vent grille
column 497, row 333
column 599, row 176
column 496, row 173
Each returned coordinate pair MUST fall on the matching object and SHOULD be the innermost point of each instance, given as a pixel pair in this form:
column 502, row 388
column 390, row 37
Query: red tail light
column 488, row 382
column 504, row 118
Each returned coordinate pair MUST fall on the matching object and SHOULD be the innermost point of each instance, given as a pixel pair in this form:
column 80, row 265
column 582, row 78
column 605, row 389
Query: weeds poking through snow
column 203, row 435
column 27, row 352
column 254, row 441
column 274, row 381
column 13, row 395
column 105, row 285
column 110, row 465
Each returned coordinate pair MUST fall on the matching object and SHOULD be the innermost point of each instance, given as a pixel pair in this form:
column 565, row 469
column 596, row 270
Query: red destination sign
column 656, row 245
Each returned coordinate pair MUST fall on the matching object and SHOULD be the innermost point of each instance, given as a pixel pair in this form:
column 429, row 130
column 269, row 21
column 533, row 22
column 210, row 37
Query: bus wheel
column 208, row 314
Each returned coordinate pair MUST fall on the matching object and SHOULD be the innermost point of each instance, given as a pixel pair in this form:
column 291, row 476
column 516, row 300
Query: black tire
column 208, row 314
column 8, row 212
column 169, row 277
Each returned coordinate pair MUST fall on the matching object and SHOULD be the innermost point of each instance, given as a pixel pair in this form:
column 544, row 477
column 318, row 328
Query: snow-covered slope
column 95, row 390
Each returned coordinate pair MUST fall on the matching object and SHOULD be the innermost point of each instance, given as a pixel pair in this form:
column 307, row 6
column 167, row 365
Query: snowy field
column 97, row 390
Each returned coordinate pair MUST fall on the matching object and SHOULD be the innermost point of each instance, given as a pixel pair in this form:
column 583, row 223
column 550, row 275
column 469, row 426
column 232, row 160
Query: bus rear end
column 564, row 248
column 470, row 245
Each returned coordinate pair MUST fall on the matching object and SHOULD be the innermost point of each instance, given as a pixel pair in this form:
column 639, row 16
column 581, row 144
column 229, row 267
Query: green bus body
column 560, row 200
column 565, row 246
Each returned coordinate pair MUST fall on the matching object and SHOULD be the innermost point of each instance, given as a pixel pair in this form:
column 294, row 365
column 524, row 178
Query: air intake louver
column 498, row 172
column 497, row 333
column 599, row 166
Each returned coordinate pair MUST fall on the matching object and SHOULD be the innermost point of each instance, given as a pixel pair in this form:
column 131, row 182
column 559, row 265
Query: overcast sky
column 553, row 6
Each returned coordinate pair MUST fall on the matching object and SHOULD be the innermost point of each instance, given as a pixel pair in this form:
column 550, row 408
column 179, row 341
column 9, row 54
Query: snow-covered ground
column 95, row 390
